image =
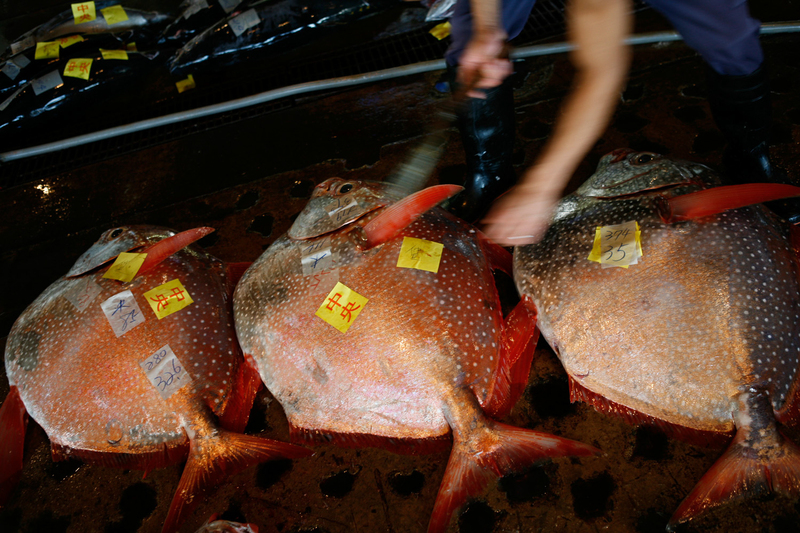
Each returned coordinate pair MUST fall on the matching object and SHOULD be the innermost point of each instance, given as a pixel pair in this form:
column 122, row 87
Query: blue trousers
column 721, row 31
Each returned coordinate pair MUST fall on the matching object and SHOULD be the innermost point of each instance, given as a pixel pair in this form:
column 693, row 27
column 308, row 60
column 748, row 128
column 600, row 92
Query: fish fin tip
column 463, row 478
column 246, row 385
column 165, row 248
column 401, row 214
column 13, row 423
column 717, row 200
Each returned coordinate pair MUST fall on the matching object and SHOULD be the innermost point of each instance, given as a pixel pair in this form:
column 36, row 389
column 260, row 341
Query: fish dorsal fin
column 396, row 217
column 161, row 250
column 719, row 199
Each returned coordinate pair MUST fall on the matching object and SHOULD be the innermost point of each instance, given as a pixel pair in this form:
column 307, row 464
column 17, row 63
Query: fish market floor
column 249, row 180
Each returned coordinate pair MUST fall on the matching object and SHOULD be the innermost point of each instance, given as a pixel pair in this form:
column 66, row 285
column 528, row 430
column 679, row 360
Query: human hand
column 484, row 63
column 522, row 215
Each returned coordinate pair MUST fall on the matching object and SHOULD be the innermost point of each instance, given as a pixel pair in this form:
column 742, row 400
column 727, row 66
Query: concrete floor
column 249, row 180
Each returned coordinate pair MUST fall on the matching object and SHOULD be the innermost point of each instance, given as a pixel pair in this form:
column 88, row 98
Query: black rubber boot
column 487, row 133
column 742, row 108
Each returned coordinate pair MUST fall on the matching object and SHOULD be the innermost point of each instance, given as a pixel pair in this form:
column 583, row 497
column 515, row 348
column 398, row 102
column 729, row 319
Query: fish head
column 625, row 172
column 115, row 241
column 336, row 203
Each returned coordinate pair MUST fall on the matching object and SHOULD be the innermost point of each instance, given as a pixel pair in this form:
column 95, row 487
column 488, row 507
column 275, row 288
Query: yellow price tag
column 83, row 12
column 114, row 14
column 168, row 298
column 185, row 85
column 47, row 50
column 114, row 54
column 125, row 267
column 440, row 31
column 420, row 254
column 79, row 67
column 341, row 307
column 69, row 41
column 617, row 245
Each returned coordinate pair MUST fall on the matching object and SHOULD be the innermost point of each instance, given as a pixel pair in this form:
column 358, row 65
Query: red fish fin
column 579, row 393
column 13, row 422
column 245, row 387
column 409, row 446
column 508, row 449
column 397, row 216
column 212, row 459
column 719, row 199
column 234, row 272
column 166, row 247
column 517, row 346
column 740, row 472
column 499, row 258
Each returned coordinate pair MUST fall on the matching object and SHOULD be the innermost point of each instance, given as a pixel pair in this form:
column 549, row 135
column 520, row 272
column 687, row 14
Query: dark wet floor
column 248, row 180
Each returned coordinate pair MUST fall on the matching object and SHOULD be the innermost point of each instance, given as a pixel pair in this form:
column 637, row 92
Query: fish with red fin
column 697, row 334
column 415, row 358
column 114, row 378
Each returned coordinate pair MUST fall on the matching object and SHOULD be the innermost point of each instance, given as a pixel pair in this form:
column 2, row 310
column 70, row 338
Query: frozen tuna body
column 364, row 352
column 699, row 336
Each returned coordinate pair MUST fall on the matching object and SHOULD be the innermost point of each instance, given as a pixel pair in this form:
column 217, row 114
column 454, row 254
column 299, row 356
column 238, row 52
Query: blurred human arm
column 601, row 58
column 485, row 62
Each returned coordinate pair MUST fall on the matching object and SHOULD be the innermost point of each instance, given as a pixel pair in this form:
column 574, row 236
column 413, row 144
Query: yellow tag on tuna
column 440, row 31
column 114, row 54
column 420, row 254
column 341, row 307
column 83, row 12
column 168, row 298
column 64, row 42
column 617, row 245
column 79, row 68
column 47, row 50
column 125, row 267
column 114, row 14
column 185, row 85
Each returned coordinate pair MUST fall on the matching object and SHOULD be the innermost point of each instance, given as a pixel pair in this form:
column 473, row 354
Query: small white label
column 83, row 291
column 229, row 5
column 21, row 61
column 342, row 208
column 47, row 82
column 317, row 257
column 122, row 312
column 241, row 23
column 11, row 70
column 165, row 372
column 24, row 44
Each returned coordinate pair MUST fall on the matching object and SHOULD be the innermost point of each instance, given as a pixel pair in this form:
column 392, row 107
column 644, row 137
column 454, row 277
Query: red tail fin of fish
column 719, row 199
column 397, row 216
column 165, row 248
column 503, row 449
column 741, row 472
column 212, row 459
column 13, row 422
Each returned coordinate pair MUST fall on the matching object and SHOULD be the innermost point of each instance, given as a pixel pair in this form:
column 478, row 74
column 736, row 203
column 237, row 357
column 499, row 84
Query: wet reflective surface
column 249, row 180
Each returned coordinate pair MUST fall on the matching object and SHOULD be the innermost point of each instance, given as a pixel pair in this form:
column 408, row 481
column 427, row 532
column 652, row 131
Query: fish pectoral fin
column 499, row 258
column 517, row 346
column 713, row 201
column 398, row 216
column 166, row 247
column 13, row 423
column 213, row 458
column 740, row 472
column 476, row 462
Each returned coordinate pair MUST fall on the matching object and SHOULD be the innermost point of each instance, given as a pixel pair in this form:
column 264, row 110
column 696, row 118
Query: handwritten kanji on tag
column 125, row 267
column 47, row 50
column 114, row 14
column 122, row 312
column 82, row 292
column 168, row 298
column 83, row 12
column 79, row 67
column 420, row 254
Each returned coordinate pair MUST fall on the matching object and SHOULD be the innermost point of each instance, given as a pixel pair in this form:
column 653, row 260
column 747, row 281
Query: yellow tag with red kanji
column 125, row 267
column 114, row 54
column 83, row 12
column 168, row 298
column 69, row 41
column 185, row 85
column 420, row 254
column 47, row 50
column 79, row 67
column 341, row 307
column 114, row 14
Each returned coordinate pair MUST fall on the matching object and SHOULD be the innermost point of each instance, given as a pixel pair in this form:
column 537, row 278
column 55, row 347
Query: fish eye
column 116, row 233
column 642, row 159
column 347, row 187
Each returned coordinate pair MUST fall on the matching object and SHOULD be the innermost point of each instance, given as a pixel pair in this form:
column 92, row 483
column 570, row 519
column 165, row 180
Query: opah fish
column 112, row 383
column 699, row 335
column 405, row 358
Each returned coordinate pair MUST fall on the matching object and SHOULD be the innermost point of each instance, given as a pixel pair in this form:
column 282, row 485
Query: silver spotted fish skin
column 702, row 332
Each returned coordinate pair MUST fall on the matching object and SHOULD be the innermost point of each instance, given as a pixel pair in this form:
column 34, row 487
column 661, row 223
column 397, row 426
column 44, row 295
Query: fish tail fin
column 214, row 458
column 719, row 199
column 397, row 216
column 472, row 465
column 13, row 422
column 740, row 472
column 166, row 247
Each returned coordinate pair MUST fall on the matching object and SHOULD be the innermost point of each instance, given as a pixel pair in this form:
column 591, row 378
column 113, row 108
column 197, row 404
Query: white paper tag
column 342, row 208
column 165, row 372
column 47, row 82
column 241, row 23
column 21, row 61
column 24, row 44
column 229, row 5
column 122, row 312
column 317, row 257
column 11, row 70
column 83, row 291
